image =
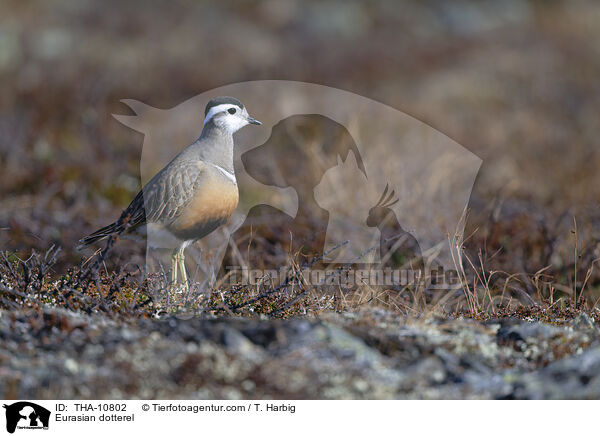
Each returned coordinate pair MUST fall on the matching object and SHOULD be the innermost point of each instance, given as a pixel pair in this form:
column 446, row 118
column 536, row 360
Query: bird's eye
column 231, row 111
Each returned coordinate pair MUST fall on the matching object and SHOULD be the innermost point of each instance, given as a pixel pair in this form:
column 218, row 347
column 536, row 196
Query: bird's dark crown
column 222, row 100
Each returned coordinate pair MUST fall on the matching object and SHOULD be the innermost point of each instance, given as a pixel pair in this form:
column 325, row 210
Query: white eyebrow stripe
column 216, row 109
column 226, row 173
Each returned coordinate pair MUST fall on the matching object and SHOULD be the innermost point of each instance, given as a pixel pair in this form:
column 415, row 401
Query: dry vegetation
column 526, row 77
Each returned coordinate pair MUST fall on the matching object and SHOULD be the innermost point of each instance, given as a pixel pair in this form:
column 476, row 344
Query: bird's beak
column 253, row 121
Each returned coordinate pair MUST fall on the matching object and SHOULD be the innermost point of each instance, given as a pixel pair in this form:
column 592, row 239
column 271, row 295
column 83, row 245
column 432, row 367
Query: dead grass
column 67, row 167
column 484, row 293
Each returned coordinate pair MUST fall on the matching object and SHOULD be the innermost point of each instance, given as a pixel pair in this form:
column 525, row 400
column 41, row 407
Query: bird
column 194, row 193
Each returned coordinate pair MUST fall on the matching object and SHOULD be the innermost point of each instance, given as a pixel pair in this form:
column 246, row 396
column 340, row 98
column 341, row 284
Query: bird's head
column 228, row 114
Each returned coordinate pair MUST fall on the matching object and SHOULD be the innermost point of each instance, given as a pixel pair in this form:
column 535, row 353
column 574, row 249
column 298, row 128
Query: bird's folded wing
column 167, row 194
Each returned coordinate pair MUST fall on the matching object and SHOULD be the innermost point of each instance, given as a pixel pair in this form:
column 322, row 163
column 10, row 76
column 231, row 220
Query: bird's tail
column 100, row 234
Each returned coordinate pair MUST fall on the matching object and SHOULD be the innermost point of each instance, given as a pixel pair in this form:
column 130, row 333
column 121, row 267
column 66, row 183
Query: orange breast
column 213, row 203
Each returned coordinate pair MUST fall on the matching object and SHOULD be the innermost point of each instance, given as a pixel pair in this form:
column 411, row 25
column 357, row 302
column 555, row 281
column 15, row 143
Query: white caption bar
column 305, row 418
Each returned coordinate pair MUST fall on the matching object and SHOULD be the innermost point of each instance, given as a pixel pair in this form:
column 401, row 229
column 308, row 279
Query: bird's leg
column 181, row 259
column 174, row 266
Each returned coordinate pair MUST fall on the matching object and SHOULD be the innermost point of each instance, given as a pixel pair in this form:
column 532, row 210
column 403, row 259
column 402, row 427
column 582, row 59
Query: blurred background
column 513, row 81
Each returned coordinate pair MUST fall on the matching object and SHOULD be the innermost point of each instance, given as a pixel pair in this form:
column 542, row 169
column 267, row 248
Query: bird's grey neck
column 215, row 146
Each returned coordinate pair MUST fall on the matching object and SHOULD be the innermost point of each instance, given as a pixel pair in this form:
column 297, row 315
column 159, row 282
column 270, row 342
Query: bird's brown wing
column 165, row 197
column 162, row 200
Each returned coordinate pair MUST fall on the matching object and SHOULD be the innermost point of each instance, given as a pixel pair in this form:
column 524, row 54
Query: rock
column 71, row 366
column 351, row 347
column 240, row 345
column 59, row 353
column 524, row 331
column 583, row 322
column 568, row 378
